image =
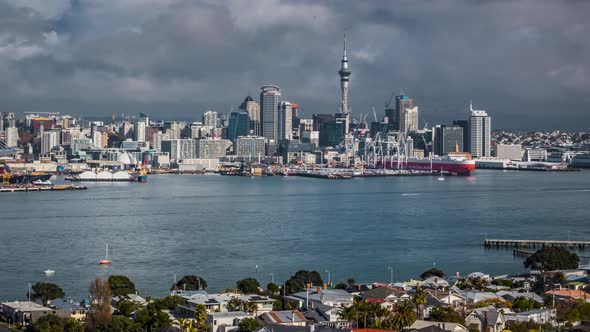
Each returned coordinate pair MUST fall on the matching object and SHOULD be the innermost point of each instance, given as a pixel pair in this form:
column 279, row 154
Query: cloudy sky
column 526, row 62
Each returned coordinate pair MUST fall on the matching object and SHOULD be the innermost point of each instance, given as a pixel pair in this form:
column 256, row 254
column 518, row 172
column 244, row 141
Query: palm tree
column 251, row 307
column 419, row 300
column 349, row 315
column 403, row 317
column 234, row 304
column 350, row 282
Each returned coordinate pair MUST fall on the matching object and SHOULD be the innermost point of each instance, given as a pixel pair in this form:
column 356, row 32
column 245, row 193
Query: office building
column 448, row 139
column 403, row 103
column 49, row 140
column 239, row 125
column 253, row 109
column 210, row 119
column 509, row 151
column 464, row 124
column 211, row 148
column 480, row 131
column 331, row 133
column 250, row 148
column 179, row 149
column 270, row 96
column 285, row 121
column 11, row 137
column 97, row 141
column 139, row 131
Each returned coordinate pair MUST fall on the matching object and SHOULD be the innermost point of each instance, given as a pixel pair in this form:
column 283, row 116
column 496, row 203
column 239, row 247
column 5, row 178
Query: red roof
column 576, row 294
column 371, row 330
column 375, row 300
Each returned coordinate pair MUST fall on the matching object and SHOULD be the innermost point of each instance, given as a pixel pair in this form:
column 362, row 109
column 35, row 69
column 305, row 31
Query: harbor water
column 222, row 227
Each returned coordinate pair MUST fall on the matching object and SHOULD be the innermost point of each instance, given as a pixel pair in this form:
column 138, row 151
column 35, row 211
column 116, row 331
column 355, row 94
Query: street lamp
column 329, row 278
column 390, row 275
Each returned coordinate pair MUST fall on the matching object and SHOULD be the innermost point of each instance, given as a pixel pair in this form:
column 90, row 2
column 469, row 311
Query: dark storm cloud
column 526, row 62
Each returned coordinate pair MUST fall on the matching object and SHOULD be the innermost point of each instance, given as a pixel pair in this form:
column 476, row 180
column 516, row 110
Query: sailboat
column 49, row 272
column 106, row 260
column 441, row 177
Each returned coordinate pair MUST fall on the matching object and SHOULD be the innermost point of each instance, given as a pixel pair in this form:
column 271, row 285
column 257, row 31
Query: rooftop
column 25, row 306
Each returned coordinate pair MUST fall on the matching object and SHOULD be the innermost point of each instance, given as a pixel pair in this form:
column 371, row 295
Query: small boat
column 441, row 177
column 106, row 260
column 39, row 182
column 49, row 272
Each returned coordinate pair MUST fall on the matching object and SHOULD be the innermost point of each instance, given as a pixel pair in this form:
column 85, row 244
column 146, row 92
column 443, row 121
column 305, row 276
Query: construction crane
column 388, row 102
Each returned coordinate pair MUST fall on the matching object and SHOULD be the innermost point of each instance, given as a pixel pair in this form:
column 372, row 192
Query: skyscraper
column 407, row 113
column 344, row 73
column 270, row 96
column 447, row 138
column 285, row 121
column 253, row 109
column 11, row 137
column 139, row 131
column 480, row 131
column 239, row 125
column 210, row 119
column 48, row 141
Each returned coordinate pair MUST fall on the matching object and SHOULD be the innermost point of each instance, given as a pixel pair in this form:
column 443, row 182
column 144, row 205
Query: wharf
column 535, row 243
column 13, row 189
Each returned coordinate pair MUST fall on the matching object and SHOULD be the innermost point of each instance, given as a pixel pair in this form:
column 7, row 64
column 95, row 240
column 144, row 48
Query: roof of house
column 25, row 306
column 490, row 312
column 513, row 295
column 420, row 324
column 576, row 294
column 379, row 293
column 375, row 300
column 67, row 304
column 328, row 295
column 284, row 317
column 292, row 328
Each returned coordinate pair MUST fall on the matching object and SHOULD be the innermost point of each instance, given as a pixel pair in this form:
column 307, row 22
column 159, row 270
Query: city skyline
column 95, row 59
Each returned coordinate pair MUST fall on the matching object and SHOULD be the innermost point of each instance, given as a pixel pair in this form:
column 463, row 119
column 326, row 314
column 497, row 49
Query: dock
column 16, row 189
column 488, row 243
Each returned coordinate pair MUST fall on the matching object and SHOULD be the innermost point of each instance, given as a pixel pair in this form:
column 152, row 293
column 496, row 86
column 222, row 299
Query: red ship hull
column 447, row 166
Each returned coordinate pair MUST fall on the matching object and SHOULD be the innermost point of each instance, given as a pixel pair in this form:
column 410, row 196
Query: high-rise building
column 179, row 149
column 447, row 139
column 239, row 125
column 270, row 96
column 392, row 119
column 331, row 132
column 139, row 132
column 407, row 114
column 253, row 109
column 480, row 132
column 285, row 121
column 11, row 137
column 210, row 119
column 97, row 139
column 344, row 73
column 211, row 148
column 1, row 122
column 464, row 124
column 250, row 148
column 49, row 139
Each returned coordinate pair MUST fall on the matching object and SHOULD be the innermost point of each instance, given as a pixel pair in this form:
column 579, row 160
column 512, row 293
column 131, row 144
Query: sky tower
column 344, row 73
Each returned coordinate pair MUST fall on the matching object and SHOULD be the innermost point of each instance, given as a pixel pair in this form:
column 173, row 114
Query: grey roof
column 378, row 293
column 285, row 316
column 291, row 328
column 432, row 301
column 65, row 304
column 512, row 295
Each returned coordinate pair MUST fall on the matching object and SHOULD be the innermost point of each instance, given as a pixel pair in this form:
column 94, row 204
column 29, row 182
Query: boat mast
column 106, row 258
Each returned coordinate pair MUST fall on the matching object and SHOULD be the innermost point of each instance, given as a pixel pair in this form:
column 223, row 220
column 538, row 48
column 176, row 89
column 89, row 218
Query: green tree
column 119, row 324
column 49, row 323
column 169, row 302
column 151, row 317
column 74, row 325
column 248, row 286
column 521, row 304
column 272, row 288
column 419, row 300
column 46, row 292
column 445, row 314
column 340, row 285
column 404, row 316
column 121, row 285
column 126, row 307
column 552, row 258
column 191, row 282
column 349, row 315
column 350, row 283
column 234, row 304
column 249, row 324
column 201, row 316
column 297, row 282
column 433, row 272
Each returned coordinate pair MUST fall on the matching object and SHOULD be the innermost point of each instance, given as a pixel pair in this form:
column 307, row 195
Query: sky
column 526, row 62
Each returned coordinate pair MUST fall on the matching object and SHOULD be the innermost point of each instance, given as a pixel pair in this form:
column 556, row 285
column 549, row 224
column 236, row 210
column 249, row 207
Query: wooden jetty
column 488, row 243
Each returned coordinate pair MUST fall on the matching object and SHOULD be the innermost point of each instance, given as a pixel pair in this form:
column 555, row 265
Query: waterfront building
column 285, row 121
column 250, row 147
column 253, row 109
column 210, row 119
column 509, row 151
column 344, row 74
column 139, row 131
column 464, row 124
column 11, row 137
column 80, row 144
column 331, row 133
column 448, row 139
column 179, row 149
column 480, row 132
column 312, row 137
column 407, row 113
column 270, row 96
column 211, row 148
column 239, row 125
column 49, row 140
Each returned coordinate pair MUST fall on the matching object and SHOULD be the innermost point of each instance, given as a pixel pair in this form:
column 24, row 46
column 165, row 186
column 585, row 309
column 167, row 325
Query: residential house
column 225, row 321
column 513, row 295
column 65, row 306
column 325, row 315
column 387, row 293
column 291, row 328
column 330, row 297
column 420, row 325
column 285, row 317
column 569, row 294
column 25, row 312
column 540, row 316
column 218, row 302
column 486, row 319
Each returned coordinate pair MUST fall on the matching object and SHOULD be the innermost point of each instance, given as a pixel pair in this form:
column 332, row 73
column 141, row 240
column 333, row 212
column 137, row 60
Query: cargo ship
column 455, row 164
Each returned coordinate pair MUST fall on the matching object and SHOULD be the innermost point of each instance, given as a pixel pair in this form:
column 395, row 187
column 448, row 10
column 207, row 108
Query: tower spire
column 344, row 54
